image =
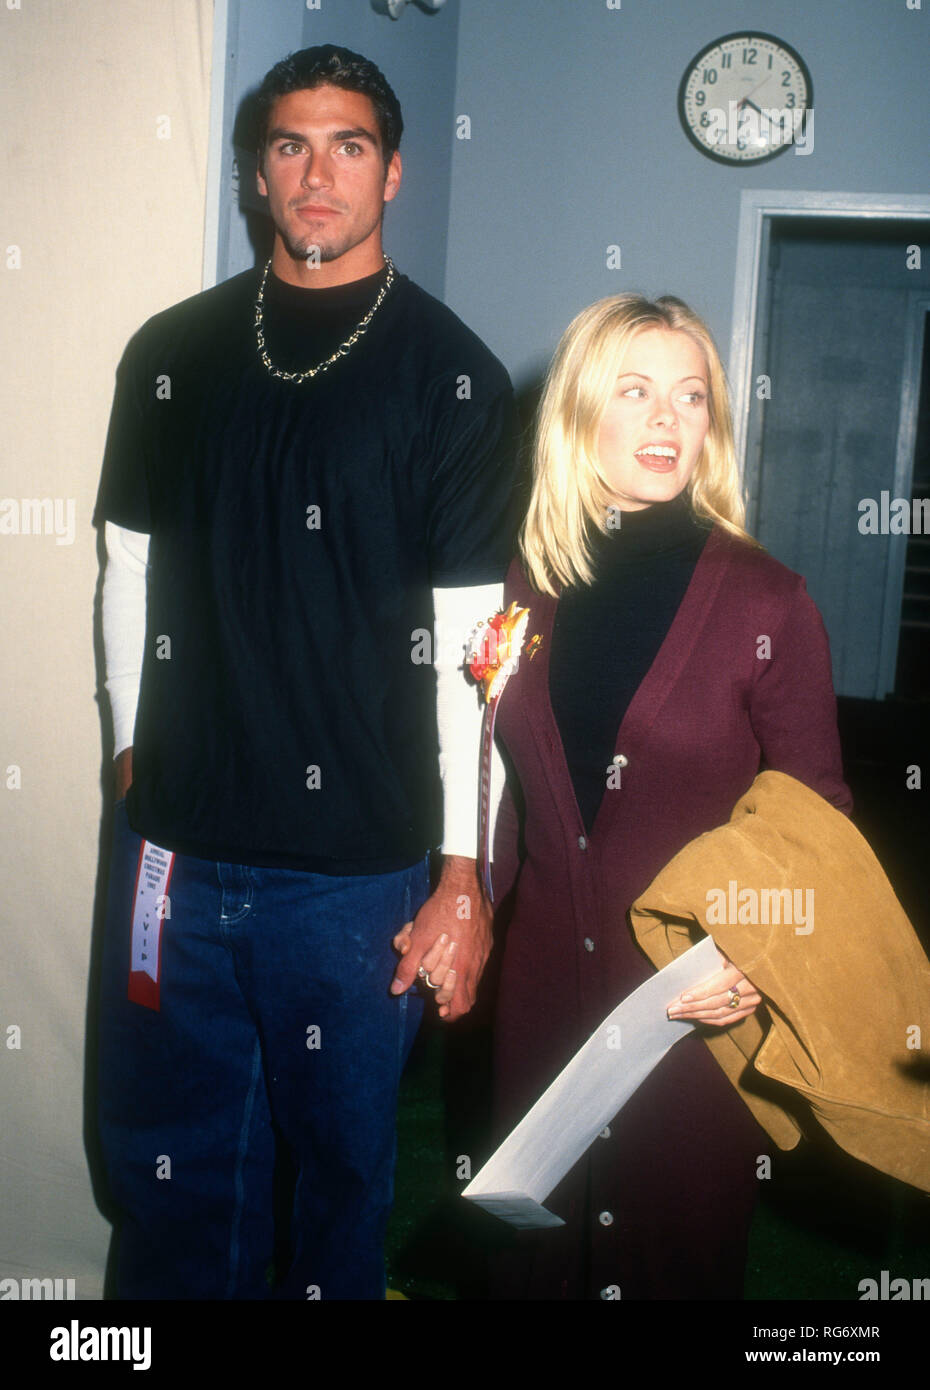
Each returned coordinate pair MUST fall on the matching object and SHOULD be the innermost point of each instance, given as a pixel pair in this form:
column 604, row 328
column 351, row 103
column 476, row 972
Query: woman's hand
column 722, row 999
column 436, row 972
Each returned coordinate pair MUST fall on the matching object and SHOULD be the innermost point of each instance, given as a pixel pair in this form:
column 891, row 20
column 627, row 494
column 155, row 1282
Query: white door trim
column 755, row 206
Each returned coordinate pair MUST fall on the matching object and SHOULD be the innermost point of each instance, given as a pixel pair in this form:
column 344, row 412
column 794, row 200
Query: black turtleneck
column 607, row 634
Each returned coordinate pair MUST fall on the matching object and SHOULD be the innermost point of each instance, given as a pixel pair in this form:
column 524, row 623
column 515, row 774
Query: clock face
column 745, row 98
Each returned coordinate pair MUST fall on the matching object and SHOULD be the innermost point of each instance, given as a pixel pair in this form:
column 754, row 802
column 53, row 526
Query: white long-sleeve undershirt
column 458, row 711
column 124, row 581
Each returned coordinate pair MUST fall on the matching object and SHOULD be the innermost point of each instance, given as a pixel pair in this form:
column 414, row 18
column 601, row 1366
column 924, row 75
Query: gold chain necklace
column 342, row 350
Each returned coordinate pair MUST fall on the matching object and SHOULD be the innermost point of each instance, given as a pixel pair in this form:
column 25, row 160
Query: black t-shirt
column 286, row 715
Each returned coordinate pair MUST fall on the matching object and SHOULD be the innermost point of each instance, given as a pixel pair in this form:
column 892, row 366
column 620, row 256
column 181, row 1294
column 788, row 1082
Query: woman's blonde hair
column 570, row 496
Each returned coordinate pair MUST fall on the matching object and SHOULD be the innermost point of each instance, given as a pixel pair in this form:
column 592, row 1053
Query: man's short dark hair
column 328, row 65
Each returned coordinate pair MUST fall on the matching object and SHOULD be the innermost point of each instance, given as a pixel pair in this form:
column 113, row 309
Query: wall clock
column 746, row 98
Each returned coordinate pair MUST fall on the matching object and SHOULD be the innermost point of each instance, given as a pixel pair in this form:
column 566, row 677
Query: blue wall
column 258, row 34
column 576, row 144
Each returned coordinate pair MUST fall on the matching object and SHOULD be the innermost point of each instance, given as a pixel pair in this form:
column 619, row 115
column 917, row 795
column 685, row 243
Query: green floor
column 822, row 1224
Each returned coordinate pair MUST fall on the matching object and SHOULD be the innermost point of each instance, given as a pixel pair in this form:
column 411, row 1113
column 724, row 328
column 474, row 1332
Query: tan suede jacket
column 794, row 896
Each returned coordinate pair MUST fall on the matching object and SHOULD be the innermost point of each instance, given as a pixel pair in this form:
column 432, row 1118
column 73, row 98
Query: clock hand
column 764, row 114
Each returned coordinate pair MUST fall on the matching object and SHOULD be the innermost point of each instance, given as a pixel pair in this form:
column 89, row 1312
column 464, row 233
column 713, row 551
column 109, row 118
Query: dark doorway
column 836, row 371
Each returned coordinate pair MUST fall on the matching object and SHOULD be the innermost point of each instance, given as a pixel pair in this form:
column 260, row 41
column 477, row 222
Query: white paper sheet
column 587, row 1094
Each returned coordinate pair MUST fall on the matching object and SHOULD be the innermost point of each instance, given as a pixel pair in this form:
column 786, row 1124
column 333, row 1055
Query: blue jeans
column 275, row 1027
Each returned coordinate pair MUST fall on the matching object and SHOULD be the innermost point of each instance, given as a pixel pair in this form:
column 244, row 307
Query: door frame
column 918, row 306
column 757, row 209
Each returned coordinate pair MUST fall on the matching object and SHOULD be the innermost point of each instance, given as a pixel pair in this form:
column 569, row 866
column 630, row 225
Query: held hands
column 436, row 969
column 449, row 940
column 722, row 999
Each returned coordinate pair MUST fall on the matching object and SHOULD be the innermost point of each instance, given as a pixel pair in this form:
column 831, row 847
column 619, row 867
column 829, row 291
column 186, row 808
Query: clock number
column 789, row 99
column 705, row 118
column 726, row 60
column 786, row 78
column 770, row 61
column 700, row 98
column 749, row 57
column 710, row 76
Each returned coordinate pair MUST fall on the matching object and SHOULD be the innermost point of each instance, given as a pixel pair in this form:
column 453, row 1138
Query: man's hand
column 122, row 768
column 722, row 999
column 459, row 910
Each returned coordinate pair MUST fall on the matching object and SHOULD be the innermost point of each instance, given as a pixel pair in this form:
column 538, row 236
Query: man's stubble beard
column 302, row 248
column 299, row 248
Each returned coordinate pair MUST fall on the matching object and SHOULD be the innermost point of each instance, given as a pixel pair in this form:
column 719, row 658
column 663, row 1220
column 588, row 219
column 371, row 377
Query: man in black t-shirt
column 306, row 466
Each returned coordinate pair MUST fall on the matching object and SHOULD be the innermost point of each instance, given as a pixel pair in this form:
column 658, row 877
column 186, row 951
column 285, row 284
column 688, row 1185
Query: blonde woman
column 677, row 660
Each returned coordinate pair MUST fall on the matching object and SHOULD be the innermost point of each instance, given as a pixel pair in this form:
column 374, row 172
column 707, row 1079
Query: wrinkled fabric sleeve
column 123, row 494
column 473, row 495
column 124, row 586
column 458, row 711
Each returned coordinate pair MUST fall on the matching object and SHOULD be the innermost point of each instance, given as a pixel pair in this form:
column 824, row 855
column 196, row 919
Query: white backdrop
column 104, row 113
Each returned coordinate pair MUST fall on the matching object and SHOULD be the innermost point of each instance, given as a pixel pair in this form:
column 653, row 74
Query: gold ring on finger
column 733, row 998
